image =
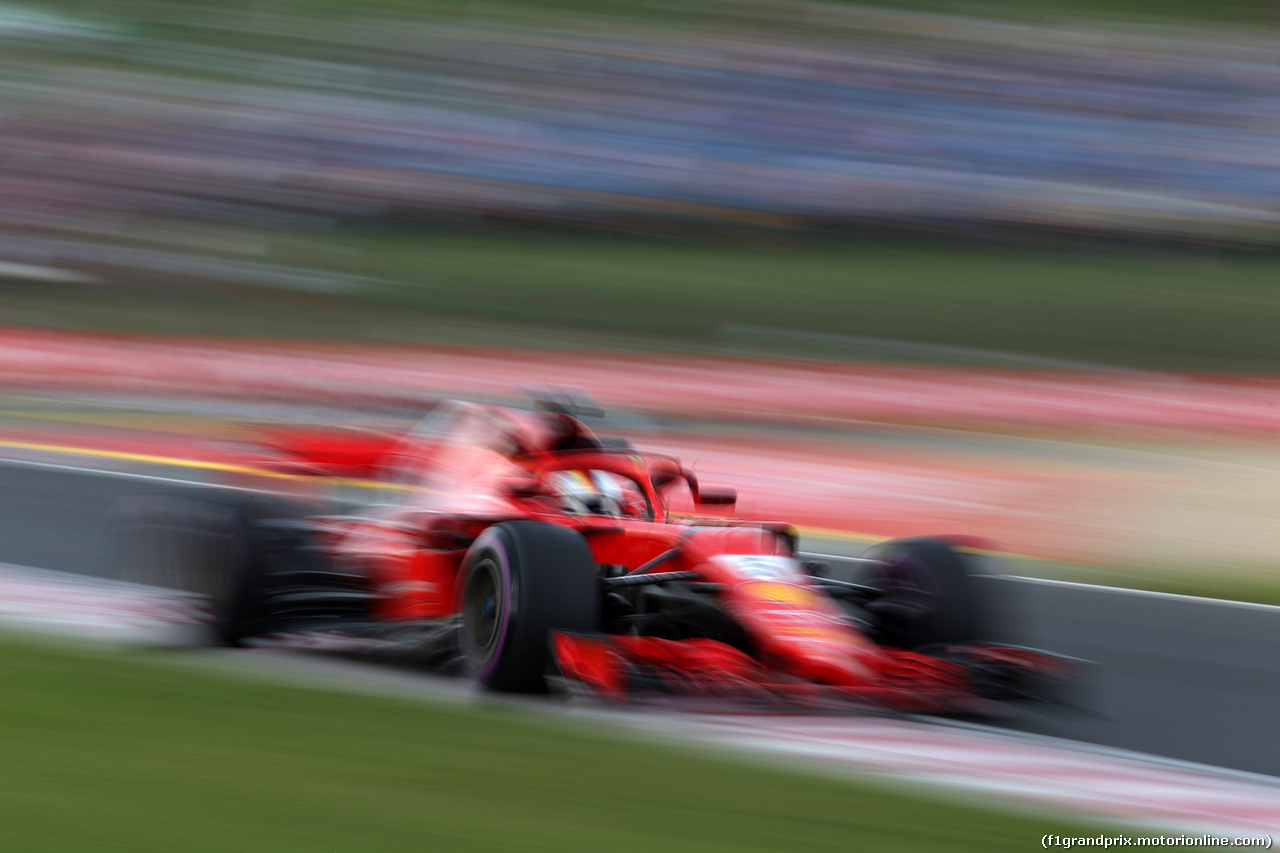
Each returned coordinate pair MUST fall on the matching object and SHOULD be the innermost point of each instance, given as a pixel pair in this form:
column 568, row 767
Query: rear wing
column 329, row 451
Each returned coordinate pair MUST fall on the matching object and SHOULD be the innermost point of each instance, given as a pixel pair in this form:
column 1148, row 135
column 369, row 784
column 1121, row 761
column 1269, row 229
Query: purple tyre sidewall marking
column 504, row 615
column 909, row 572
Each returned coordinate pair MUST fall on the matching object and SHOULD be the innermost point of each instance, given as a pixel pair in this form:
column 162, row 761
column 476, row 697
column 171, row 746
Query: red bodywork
column 472, row 466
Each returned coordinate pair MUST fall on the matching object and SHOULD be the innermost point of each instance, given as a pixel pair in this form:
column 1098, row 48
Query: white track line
column 1092, row 587
column 1120, row 590
column 993, row 762
column 125, row 475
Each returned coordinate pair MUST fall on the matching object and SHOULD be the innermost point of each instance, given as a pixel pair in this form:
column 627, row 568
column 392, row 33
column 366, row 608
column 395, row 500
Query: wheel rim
column 911, row 594
column 482, row 609
column 907, row 576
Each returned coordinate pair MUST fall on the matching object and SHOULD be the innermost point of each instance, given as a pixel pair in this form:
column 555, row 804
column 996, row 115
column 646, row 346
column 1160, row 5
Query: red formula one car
column 524, row 550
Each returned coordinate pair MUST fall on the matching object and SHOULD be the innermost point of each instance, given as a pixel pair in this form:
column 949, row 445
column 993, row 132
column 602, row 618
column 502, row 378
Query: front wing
column 976, row 678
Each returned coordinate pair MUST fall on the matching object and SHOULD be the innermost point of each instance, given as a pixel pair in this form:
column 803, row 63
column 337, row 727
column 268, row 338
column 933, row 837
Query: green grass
column 709, row 12
column 166, row 19
column 104, row 753
column 1140, row 308
column 1237, row 12
column 1144, row 308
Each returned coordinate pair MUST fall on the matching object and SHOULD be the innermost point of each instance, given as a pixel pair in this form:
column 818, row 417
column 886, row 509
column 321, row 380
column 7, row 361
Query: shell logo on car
column 781, row 593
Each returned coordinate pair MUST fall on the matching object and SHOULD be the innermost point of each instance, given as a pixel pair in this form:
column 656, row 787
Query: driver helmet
column 588, row 493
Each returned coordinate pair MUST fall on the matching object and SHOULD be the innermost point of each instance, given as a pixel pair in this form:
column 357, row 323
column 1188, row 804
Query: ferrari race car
column 525, row 551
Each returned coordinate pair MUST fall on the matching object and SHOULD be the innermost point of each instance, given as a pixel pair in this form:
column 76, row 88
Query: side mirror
column 664, row 472
column 722, row 495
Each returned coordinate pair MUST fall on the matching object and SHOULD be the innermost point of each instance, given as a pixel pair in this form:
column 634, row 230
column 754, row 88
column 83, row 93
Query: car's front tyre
column 520, row 581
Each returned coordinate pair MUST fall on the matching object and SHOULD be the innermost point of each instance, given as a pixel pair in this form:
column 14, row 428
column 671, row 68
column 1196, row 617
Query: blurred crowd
column 795, row 116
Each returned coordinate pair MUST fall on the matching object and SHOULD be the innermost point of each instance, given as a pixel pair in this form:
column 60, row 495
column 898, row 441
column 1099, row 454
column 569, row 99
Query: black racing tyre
column 219, row 546
column 520, row 581
column 927, row 594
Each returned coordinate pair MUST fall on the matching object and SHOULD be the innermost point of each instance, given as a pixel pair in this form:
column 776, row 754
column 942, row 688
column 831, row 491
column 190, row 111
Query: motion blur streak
column 1054, row 402
column 770, row 114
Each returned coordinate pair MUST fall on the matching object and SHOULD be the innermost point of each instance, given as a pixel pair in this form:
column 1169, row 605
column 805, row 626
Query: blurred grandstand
column 781, row 115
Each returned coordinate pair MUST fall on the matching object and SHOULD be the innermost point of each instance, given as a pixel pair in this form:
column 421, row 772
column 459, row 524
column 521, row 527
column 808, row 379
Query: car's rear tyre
column 520, row 581
column 927, row 596
column 221, row 547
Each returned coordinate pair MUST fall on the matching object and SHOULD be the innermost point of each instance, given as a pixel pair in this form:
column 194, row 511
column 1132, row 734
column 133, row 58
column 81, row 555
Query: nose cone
column 829, row 666
column 803, row 633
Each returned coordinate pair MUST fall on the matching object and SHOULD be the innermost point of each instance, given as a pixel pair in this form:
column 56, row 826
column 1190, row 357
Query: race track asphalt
column 1182, row 678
